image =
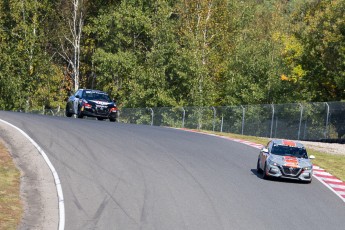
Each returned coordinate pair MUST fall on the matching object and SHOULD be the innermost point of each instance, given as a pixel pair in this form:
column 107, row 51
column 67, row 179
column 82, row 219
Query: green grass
column 334, row 164
column 10, row 204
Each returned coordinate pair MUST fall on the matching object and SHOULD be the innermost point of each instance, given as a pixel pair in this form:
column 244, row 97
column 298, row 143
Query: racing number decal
column 291, row 161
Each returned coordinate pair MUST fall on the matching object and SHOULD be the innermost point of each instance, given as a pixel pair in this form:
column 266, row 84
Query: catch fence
column 299, row 121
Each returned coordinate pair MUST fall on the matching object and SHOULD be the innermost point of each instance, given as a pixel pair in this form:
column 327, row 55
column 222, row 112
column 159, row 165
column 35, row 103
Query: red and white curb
column 334, row 184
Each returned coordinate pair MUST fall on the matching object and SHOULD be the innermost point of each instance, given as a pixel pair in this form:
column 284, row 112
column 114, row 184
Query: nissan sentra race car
column 285, row 159
column 91, row 103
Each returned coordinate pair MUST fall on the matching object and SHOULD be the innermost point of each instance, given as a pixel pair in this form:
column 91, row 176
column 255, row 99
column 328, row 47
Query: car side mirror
column 77, row 96
column 264, row 150
column 311, row 157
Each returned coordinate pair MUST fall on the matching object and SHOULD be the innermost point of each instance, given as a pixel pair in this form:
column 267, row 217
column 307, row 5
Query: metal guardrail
column 300, row 121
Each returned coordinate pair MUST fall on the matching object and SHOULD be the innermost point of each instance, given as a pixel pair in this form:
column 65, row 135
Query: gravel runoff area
column 37, row 186
column 331, row 148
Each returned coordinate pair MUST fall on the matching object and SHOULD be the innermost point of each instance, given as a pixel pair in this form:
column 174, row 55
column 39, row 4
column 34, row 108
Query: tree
column 137, row 57
column 324, row 56
column 25, row 62
column 70, row 41
column 200, row 30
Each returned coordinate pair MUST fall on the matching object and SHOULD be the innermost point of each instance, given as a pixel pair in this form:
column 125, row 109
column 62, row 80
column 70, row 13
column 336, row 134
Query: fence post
column 300, row 121
column 305, row 127
column 152, row 114
column 199, row 118
column 272, row 121
column 221, row 124
column 275, row 130
column 214, row 118
column 326, row 133
column 243, row 114
column 183, row 116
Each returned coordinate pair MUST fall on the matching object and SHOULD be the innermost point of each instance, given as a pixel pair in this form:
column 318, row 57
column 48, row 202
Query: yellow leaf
column 283, row 77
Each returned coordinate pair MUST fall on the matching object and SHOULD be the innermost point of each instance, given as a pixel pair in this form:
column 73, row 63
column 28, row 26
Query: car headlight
column 307, row 168
column 271, row 162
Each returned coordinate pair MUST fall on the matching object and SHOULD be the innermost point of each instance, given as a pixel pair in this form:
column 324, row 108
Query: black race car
column 91, row 103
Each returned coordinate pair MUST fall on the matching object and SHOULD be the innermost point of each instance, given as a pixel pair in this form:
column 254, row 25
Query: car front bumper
column 290, row 173
column 105, row 113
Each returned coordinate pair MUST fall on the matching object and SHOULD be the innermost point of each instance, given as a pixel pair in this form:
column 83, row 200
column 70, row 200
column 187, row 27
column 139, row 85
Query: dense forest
column 172, row 52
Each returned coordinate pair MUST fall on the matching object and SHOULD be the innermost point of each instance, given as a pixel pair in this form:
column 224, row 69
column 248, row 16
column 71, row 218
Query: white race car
column 285, row 159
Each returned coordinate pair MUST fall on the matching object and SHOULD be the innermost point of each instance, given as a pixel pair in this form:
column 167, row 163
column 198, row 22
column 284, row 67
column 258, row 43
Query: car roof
column 288, row 143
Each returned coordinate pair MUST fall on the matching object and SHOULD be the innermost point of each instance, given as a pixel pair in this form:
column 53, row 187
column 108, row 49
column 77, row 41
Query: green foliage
column 321, row 62
column 253, row 65
column 26, row 74
column 175, row 53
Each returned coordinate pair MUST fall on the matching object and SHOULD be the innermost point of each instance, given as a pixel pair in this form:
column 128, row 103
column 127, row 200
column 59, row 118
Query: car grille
column 103, row 111
column 289, row 171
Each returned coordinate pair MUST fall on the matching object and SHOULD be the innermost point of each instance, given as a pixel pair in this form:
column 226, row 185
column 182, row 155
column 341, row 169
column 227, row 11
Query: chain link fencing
column 299, row 121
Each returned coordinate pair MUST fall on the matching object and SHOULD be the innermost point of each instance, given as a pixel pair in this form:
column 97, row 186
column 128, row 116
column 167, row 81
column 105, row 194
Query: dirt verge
column 37, row 187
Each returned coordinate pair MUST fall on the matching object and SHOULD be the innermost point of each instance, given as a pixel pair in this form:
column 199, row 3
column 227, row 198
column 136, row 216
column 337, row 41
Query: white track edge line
column 55, row 175
column 329, row 187
column 244, row 143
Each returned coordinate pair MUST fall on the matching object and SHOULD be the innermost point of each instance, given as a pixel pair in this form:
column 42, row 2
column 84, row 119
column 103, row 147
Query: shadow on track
column 277, row 179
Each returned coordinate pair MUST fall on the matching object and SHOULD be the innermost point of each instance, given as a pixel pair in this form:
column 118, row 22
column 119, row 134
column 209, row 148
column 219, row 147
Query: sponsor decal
column 289, row 143
column 101, row 102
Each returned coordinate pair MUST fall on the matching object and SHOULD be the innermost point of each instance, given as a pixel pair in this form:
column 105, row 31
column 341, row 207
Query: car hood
column 291, row 161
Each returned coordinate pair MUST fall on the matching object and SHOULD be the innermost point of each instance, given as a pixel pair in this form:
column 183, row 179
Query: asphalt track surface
column 122, row 176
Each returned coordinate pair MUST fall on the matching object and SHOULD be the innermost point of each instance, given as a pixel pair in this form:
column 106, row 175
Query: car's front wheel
column 80, row 113
column 308, row 181
column 264, row 173
column 258, row 169
column 68, row 114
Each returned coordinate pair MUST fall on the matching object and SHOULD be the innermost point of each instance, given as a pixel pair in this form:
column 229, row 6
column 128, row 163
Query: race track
column 122, row 176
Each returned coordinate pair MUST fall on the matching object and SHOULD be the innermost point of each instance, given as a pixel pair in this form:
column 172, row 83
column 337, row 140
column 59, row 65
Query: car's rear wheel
column 111, row 119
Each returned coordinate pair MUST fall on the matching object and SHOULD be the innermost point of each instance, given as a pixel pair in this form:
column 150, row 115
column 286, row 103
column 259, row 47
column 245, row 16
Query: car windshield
column 283, row 150
column 89, row 95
